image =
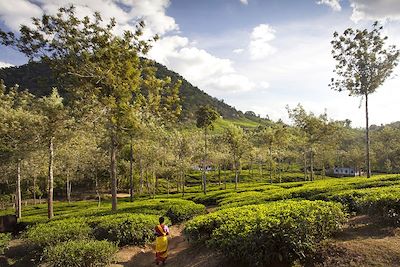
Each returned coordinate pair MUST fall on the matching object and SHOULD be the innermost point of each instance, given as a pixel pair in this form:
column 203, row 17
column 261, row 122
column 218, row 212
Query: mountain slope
column 37, row 78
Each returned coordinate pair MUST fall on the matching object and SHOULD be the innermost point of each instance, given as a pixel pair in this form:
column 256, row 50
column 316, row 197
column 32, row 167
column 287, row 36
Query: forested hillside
column 38, row 79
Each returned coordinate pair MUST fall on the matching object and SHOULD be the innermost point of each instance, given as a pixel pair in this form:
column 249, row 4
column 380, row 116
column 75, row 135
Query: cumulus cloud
column 238, row 50
column 212, row 74
column 126, row 12
column 5, row 65
column 375, row 10
column 260, row 46
column 17, row 12
column 334, row 4
column 244, row 2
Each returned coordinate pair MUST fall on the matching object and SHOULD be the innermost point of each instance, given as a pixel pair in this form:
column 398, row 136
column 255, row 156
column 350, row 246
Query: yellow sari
column 161, row 244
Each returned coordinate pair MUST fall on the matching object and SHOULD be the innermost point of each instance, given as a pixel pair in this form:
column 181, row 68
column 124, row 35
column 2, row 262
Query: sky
column 258, row 55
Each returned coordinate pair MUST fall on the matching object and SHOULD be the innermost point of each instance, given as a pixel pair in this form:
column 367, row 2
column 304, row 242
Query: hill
column 38, row 79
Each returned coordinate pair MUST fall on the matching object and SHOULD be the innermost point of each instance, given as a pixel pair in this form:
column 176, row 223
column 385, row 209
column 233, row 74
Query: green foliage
column 205, row 117
column 51, row 233
column 363, row 60
column 260, row 234
column 4, row 240
column 125, row 229
column 83, row 253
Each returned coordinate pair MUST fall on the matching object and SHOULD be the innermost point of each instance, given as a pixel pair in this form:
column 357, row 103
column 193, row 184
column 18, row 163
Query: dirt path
column 181, row 254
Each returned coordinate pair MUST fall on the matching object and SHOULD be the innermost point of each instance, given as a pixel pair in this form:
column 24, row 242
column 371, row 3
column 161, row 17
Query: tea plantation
column 260, row 224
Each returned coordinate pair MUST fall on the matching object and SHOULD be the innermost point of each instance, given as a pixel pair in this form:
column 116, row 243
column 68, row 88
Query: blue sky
column 258, row 55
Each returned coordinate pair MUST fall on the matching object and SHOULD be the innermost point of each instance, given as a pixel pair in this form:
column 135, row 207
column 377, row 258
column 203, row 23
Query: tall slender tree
column 235, row 138
column 363, row 63
column 55, row 120
column 205, row 117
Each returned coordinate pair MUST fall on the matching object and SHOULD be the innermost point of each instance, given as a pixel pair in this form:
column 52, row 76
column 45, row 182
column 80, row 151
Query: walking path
column 181, row 254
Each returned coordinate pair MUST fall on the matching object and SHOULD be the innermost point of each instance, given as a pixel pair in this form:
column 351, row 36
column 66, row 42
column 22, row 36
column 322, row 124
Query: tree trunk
column 97, row 188
column 50, row 213
column 368, row 161
column 68, row 189
column 225, row 175
column 251, row 169
column 131, row 172
column 146, row 174
column 311, row 165
column 155, row 178
column 305, row 165
column 141, row 176
column 113, row 171
column 219, row 174
column 34, row 190
column 270, row 164
column 236, row 173
column 204, row 178
column 18, row 205
column 183, row 183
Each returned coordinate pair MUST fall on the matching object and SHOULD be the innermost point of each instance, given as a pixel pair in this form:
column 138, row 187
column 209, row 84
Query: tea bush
column 260, row 234
column 4, row 240
column 54, row 232
column 82, row 253
column 124, row 229
column 177, row 210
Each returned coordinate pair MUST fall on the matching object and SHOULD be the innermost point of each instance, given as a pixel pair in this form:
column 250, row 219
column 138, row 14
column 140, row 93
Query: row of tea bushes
column 378, row 196
column 177, row 210
column 381, row 201
column 125, row 229
column 259, row 234
column 83, row 253
column 94, row 238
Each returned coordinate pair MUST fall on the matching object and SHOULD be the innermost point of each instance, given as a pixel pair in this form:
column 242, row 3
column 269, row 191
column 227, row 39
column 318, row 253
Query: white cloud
column 17, row 12
column 5, row 65
column 375, row 10
column 210, row 73
column 126, row 12
column 334, row 4
column 260, row 46
column 238, row 50
column 244, row 2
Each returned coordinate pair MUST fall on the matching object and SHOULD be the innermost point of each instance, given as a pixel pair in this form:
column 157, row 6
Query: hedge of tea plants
column 70, row 234
column 82, row 253
column 267, row 233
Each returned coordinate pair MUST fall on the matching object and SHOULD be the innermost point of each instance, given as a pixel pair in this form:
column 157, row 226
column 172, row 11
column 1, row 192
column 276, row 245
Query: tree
column 19, row 125
column 96, row 68
column 363, row 64
column 276, row 138
column 237, row 143
column 55, row 120
column 205, row 117
column 316, row 130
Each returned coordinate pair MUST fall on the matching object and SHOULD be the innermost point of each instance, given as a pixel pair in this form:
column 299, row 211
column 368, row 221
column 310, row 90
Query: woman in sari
column 161, row 231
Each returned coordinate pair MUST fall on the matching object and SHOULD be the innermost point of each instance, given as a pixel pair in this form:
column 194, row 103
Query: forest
column 97, row 141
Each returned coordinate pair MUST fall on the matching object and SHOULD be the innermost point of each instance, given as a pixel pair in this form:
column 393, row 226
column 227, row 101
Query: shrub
column 183, row 210
column 260, row 234
column 124, row 229
column 54, row 232
column 82, row 253
column 4, row 239
column 177, row 210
